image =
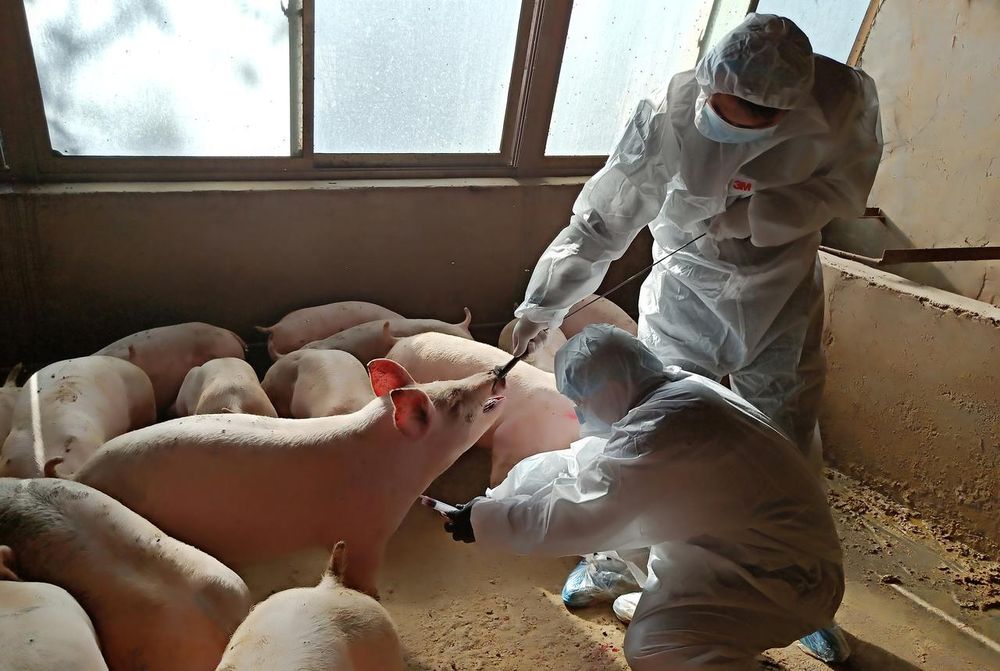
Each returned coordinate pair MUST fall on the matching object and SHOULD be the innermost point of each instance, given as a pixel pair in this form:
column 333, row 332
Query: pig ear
column 7, row 564
column 387, row 375
column 412, row 412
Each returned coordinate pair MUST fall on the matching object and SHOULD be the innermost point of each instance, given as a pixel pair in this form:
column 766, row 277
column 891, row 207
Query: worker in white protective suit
column 760, row 146
column 743, row 553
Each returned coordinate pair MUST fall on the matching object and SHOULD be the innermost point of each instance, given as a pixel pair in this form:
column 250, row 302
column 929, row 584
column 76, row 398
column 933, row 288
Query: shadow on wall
column 871, row 237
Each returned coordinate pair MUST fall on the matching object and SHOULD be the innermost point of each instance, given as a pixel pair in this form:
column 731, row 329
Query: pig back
column 152, row 599
column 318, row 383
column 83, row 403
column 167, row 353
column 45, row 628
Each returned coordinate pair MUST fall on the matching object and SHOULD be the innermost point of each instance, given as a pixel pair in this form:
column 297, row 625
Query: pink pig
column 8, row 397
column 246, row 488
column 347, row 630
column 156, row 603
column 68, row 409
column 374, row 339
column 535, row 418
column 44, row 628
column 322, row 321
column 599, row 311
column 167, row 353
column 222, row 385
column 318, row 383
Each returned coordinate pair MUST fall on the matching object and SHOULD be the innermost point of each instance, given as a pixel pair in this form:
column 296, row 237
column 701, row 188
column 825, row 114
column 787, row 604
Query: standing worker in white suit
column 743, row 553
column 760, row 146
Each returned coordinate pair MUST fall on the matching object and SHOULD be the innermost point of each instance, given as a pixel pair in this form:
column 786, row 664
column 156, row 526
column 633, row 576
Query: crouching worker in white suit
column 743, row 553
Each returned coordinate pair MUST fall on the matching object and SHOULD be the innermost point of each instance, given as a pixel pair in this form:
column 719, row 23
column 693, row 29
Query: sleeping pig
column 247, row 489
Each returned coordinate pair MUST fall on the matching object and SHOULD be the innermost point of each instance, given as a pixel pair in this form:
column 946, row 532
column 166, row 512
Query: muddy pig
column 167, row 353
column 535, row 418
column 322, row 321
column 70, row 408
column 8, row 397
column 375, row 339
column 222, row 385
column 276, row 486
column 44, row 628
column 318, row 383
column 543, row 358
column 156, row 603
column 346, row 630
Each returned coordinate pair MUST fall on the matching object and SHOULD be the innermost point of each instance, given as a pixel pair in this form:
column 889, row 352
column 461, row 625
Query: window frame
column 543, row 26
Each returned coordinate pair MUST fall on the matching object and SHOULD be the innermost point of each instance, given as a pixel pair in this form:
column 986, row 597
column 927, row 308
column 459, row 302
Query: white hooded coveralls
column 743, row 553
column 746, row 300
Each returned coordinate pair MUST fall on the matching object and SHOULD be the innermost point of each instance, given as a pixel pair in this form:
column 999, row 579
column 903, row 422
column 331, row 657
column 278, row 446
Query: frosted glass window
column 163, row 77
column 421, row 76
column 832, row 27
column 616, row 54
column 728, row 15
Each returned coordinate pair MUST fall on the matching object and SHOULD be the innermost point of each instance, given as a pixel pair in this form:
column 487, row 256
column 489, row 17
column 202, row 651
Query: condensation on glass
column 616, row 54
column 163, row 77
column 421, row 76
column 832, row 27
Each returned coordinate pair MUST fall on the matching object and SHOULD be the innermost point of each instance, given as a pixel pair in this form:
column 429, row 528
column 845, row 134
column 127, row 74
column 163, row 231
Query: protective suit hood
column 606, row 372
column 767, row 60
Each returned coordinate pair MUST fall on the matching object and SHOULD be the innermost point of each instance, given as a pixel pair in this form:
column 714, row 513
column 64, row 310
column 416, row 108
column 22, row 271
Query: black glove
column 459, row 523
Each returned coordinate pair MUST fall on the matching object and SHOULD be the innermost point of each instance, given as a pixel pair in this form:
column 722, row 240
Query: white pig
column 324, row 628
column 167, row 353
column 600, row 311
column 318, row 383
column 544, row 357
column 222, row 385
column 70, row 408
column 8, row 398
column 156, row 603
column 44, row 628
column 322, row 321
column 247, row 489
column 536, row 417
column 374, row 339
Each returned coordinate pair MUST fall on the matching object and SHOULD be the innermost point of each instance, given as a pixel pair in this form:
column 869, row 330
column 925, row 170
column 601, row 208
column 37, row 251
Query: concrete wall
column 936, row 67
column 82, row 265
column 911, row 403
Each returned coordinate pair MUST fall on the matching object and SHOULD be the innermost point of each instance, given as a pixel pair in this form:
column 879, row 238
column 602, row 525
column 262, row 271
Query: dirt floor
column 460, row 609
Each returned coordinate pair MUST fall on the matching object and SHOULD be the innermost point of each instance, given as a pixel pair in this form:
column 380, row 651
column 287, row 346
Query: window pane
column 163, row 77
column 616, row 54
column 728, row 15
column 832, row 27
column 421, row 76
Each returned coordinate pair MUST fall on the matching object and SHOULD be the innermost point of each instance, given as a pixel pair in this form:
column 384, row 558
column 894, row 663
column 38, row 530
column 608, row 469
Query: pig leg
column 362, row 569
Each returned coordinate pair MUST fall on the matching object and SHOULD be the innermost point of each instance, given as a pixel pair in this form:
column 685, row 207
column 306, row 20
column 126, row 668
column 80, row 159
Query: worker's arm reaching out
column 614, row 205
column 617, row 501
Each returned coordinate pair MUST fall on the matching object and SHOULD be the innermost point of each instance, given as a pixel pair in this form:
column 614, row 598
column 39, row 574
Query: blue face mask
column 592, row 426
column 714, row 127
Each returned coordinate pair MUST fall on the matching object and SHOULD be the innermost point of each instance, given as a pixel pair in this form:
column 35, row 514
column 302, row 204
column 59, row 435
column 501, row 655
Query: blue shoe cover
column 827, row 645
column 595, row 579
